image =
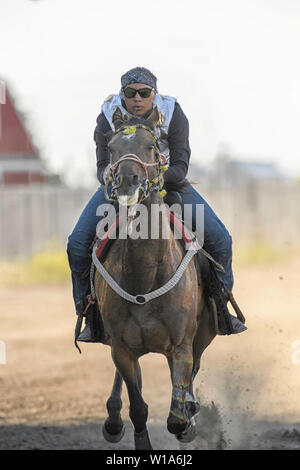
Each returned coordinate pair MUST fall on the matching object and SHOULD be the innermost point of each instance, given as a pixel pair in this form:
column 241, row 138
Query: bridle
column 147, row 187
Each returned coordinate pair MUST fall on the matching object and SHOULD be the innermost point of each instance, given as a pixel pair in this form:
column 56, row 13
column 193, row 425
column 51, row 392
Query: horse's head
column 136, row 166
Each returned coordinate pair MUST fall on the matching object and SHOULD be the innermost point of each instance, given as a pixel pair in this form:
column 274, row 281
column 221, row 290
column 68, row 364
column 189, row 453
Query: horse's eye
column 151, row 147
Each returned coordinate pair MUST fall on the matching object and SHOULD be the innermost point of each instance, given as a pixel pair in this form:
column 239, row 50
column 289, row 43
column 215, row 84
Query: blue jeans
column 217, row 240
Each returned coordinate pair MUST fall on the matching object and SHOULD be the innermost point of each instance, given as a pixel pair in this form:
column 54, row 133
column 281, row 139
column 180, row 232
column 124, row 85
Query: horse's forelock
column 134, row 121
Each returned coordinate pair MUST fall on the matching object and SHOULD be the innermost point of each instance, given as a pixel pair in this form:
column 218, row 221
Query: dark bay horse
column 178, row 323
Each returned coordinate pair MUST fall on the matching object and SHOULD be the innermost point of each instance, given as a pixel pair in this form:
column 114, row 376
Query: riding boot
column 94, row 331
column 237, row 325
column 225, row 322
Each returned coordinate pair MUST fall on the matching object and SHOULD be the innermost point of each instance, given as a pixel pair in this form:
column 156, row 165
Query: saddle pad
column 105, row 241
column 187, row 237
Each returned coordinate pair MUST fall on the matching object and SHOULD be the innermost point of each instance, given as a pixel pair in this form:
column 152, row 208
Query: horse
column 177, row 324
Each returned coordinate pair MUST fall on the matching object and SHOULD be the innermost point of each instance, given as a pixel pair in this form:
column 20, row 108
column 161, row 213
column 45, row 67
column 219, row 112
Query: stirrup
column 236, row 323
column 236, row 308
column 94, row 331
column 87, row 336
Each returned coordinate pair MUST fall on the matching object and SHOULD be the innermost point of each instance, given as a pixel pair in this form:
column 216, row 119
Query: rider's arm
column 178, row 139
column 101, row 145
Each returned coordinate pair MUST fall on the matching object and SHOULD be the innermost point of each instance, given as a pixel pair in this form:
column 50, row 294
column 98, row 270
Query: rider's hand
column 106, row 173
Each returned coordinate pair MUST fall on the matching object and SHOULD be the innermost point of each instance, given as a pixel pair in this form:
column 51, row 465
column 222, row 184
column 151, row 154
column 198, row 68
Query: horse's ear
column 117, row 119
column 155, row 118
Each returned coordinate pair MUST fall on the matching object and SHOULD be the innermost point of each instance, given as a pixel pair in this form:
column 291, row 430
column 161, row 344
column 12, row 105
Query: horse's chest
column 150, row 328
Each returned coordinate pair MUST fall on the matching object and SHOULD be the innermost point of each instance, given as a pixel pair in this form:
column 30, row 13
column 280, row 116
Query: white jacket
column 165, row 105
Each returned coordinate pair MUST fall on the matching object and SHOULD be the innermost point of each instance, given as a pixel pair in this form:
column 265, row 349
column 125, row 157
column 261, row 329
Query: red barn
column 20, row 162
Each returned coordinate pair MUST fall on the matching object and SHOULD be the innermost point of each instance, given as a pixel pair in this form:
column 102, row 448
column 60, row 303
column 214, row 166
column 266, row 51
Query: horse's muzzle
column 126, row 184
column 127, row 188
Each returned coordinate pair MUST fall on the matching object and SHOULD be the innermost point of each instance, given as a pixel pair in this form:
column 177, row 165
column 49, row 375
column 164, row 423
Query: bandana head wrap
column 139, row 75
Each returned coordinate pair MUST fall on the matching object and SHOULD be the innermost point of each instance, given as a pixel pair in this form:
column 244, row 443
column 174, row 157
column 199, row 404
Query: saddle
column 206, row 268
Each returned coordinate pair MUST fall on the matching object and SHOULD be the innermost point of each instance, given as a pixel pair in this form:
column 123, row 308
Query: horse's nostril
column 135, row 180
column 126, row 181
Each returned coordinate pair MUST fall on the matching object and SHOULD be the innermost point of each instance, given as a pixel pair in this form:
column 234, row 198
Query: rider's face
column 138, row 105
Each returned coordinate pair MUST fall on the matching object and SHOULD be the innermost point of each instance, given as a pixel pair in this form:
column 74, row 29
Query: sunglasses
column 143, row 92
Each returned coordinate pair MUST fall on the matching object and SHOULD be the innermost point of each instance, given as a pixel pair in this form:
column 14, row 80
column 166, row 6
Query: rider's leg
column 216, row 240
column 214, row 235
column 79, row 243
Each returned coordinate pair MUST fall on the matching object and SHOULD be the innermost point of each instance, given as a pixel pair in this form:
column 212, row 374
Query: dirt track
column 54, row 398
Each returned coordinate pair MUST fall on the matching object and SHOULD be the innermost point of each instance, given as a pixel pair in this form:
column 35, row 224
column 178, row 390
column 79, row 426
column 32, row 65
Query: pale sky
column 233, row 65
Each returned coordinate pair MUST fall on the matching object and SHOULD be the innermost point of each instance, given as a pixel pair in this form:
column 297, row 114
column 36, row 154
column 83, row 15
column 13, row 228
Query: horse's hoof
column 142, row 440
column 189, row 434
column 113, row 437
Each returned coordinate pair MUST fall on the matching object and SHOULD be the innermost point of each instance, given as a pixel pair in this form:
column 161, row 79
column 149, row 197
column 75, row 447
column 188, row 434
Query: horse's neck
column 146, row 262
column 155, row 230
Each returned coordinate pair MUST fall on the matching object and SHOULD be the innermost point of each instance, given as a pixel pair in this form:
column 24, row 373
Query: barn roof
column 15, row 140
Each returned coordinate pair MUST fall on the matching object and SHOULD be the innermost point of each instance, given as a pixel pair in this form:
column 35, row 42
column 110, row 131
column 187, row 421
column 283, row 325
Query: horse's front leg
column 113, row 428
column 205, row 333
column 129, row 368
column 181, row 364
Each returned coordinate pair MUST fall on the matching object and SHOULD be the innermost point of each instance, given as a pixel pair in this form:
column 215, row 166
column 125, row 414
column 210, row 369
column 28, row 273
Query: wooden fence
column 31, row 218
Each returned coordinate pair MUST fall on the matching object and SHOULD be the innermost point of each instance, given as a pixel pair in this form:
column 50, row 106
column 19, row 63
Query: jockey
column 137, row 98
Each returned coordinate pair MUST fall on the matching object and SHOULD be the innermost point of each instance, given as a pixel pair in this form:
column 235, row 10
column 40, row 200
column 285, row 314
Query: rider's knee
column 221, row 242
column 228, row 243
column 224, row 247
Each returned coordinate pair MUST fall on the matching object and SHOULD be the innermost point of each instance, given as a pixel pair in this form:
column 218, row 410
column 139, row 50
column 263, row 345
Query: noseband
column 147, row 186
column 134, row 158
